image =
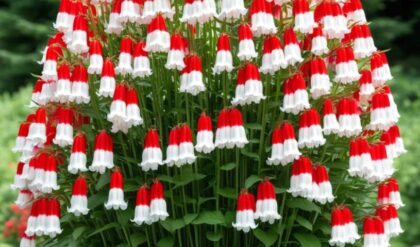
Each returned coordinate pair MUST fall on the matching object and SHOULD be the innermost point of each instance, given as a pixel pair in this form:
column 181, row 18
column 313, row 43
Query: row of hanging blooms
column 67, row 85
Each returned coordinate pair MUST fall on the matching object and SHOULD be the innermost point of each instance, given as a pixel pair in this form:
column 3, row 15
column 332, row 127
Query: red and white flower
column 319, row 45
column 394, row 131
column 389, row 216
column 21, row 137
column 301, row 178
column 19, row 182
column 152, row 154
column 133, row 117
column 363, row 44
column 381, row 72
column 232, row 9
column 65, row 16
column 246, row 48
column 360, row 163
column 44, row 219
column 49, row 71
column 295, row 97
column 158, row 38
column 77, row 162
column 284, row 145
column 193, row 12
column 103, row 156
column 79, row 40
column 381, row 163
column 273, row 56
column 79, row 85
column 224, row 61
column 36, row 93
column 163, row 7
column 249, row 87
column 330, row 123
column 394, row 196
column 353, row 10
column 78, row 201
column 96, row 60
column 266, row 206
column 158, row 209
column 394, row 109
column 107, row 85
column 63, row 91
column 245, row 212
column 292, row 51
column 304, row 18
column 348, row 115
column 47, row 92
column 24, row 198
column 192, row 76
column 180, row 149
column 230, row 131
column 382, row 115
column 344, row 230
column 261, row 16
column 114, row 25
column 374, row 232
column 37, row 133
column 142, row 210
column 118, row 110
column 366, row 88
column 310, row 130
column 205, row 136
column 390, row 145
column 141, row 61
column 330, row 15
column 125, row 58
column 321, row 186
column 116, row 192
column 320, row 81
column 176, row 52
column 130, row 11
column 64, row 134
column 346, row 66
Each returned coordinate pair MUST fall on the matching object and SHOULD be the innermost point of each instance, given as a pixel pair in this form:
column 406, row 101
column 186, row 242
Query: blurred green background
column 27, row 24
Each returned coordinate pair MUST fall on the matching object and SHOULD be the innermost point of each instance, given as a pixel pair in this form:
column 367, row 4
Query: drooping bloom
column 266, row 207
column 360, row 163
column 78, row 155
column 330, row 123
column 330, row 15
column 389, row 216
column 394, row 131
column 19, row 182
column 322, row 190
column 346, row 66
column 382, row 116
column 245, row 212
column 78, row 201
column 186, row 146
column 21, row 137
column 224, row 61
column 38, row 130
column 118, row 110
column 348, row 115
column 130, row 11
column 27, row 241
column 261, row 16
column 232, row 9
column 304, row 18
column 24, row 198
column 96, row 60
column 310, row 130
column 49, row 71
column 344, row 230
column 116, row 192
column 158, row 38
column 142, row 210
column 301, row 178
column 205, row 136
column 158, row 209
column 141, row 61
column 366, row 88
column 107, row 84
column 114, row 25
column 292, row 50
column 353, row 10
column 273, row 56
column 133, row 117
column 79, row 40
column 381, row 163
column 63, row 90
column 176, row 52
column 374, row 232
column 320, row 81
column 319, row 45
column 80, row 85
column 152, row 154
column 363, row 44
column 389, row 193
column 230, row 131
column 64, row 134
column 103, row 156
column 284, row 145
column 381, row 72
column 192, row 76
column 125, row 58
column 246, row 48
column 249, row 88
column 65, row 17
column 295, row 97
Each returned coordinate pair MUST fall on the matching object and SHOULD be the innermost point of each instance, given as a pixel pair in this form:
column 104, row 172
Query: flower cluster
column 107, row 66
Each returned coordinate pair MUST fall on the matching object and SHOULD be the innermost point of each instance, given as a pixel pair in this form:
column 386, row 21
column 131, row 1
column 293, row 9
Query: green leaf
column 253, row 126
column 249, row 154
column 104, row 228
column 303, row 204
column 102, row 181
column 304, row 222
column 124, row 216
column 251, row 180
column 171, row 225
column 228, row 166
column 79, row 231
column 307, row 240
column 137, row 239
column 166, row 242
column 228, row 193
column 188, row 218
column 97, row 199
column 214, row 236
column 209, row 218
column 267, row 238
